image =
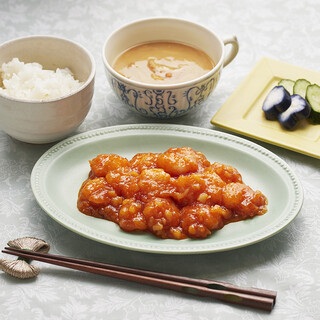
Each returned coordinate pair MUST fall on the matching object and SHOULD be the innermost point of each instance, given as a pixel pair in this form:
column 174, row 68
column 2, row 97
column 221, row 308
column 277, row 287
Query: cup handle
column 234, row 49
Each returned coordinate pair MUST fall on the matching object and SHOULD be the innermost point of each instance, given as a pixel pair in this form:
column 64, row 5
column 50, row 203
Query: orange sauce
column 177, row 194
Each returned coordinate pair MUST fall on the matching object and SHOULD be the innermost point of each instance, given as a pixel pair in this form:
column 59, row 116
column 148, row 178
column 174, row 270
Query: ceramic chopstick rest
column 21, row 268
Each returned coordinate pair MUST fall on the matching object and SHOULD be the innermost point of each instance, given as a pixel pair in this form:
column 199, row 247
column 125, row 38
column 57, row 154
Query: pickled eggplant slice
column 287, row 84
column 277, row 101
column 300, row 87
column 298, row 110
column 313, row 97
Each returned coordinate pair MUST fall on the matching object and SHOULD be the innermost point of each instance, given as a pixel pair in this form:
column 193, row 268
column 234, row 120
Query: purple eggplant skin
column 277, row 101
column 298, row 110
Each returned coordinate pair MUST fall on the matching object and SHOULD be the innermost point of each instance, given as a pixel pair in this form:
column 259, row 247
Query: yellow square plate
column 242, row 112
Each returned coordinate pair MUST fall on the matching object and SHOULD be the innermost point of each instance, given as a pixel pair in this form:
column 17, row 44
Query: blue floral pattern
column 164, row 104
column 198, row 94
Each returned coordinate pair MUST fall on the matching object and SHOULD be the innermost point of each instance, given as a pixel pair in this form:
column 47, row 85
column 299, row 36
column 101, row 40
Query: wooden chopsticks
column 251, row 297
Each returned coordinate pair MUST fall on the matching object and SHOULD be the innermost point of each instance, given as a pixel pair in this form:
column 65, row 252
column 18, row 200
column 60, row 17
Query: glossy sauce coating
column 177, row 194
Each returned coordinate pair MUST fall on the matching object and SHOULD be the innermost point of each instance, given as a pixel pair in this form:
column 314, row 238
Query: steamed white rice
column 30, row 81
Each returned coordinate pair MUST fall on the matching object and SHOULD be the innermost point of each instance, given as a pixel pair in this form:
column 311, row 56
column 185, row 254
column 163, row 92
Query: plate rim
column 79, row 139
column 272, row 68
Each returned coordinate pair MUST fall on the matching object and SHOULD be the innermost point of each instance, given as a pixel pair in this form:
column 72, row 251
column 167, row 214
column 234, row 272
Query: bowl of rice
column 46, row 87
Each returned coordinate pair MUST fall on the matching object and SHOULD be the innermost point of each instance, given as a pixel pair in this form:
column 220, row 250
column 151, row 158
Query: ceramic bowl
column 166, row 101
column 44, row 121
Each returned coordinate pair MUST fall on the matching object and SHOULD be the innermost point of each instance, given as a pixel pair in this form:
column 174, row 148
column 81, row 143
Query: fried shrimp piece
column 124, row 180
column 188, row 188
column 131, row 217
column 142, row 161
column 155, row 183
column 198, row 220
column 226, row 173
column 163, row 217
column 97, row 198
column 244, row 201
column 177, row 161
column 212, row 193
column 104, row 163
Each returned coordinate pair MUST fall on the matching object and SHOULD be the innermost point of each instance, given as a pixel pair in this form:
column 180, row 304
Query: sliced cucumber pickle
column 313, row 97
column 300, row 87
column 287, row 84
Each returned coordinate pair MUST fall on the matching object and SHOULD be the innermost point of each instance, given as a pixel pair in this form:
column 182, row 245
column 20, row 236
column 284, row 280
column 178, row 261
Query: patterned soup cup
column 166, row 101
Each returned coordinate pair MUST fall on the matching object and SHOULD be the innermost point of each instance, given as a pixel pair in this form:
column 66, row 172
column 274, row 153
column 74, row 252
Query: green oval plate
column 57, row 176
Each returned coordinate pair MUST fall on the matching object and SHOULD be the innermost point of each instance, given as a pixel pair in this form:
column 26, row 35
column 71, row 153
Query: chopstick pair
column 251, row 297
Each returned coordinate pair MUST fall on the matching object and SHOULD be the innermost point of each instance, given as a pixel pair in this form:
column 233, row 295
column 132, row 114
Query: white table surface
column 288, row 262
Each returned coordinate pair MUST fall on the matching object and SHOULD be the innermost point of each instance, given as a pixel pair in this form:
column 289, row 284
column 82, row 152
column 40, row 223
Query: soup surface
column 163, row 63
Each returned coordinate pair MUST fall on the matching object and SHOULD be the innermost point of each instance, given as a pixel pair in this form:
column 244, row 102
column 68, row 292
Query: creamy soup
column 163, row 63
